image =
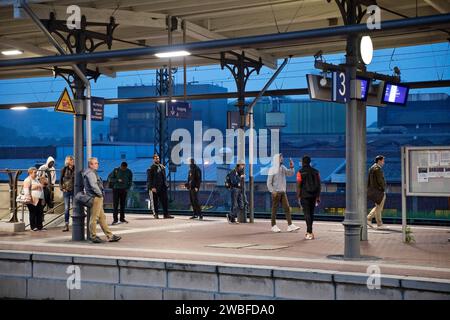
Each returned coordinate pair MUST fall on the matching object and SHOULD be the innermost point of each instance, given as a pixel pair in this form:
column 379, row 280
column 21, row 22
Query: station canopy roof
column 143, row 23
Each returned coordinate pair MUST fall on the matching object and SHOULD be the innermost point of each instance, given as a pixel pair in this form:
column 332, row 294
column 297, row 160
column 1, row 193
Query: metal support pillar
column 352, row 13
column 77, row 41
column 241, row 68
column 13, row 179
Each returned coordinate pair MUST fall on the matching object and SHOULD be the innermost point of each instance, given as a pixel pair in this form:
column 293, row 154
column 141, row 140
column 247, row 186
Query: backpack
column 310, row 183
column 112, row 178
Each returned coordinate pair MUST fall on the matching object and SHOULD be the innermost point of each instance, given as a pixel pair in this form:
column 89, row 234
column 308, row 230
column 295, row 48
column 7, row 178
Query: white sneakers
column 309, row 236
column 275, row 229
column 292, row 227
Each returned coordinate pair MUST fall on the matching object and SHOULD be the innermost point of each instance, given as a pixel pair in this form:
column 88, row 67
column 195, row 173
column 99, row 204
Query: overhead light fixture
column 172, row 54
column 366, row 49
column 18, row 108
column 173, row 100
column 11, row 52
column 161, row 101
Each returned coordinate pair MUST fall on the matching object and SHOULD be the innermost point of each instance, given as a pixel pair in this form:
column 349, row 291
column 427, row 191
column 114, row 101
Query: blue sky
column 418, row 63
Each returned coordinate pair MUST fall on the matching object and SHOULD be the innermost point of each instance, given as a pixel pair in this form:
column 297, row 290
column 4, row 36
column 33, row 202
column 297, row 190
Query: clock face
column 366, row 49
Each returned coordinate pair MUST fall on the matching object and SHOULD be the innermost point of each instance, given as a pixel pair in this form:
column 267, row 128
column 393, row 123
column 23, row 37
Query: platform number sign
column 341, row 87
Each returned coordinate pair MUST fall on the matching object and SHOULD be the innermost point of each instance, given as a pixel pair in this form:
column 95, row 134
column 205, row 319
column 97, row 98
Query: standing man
column 276, row 184
column 193, row 185
column 121, row 180
column 48, row 171
column 157, row 183
column 235, row 182
column 93, row 186
column 308, row 193
column 376, row 191
column 66, row 184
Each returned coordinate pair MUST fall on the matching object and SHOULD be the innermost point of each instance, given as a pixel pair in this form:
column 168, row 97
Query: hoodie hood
column 275, row 165
column 50, row 159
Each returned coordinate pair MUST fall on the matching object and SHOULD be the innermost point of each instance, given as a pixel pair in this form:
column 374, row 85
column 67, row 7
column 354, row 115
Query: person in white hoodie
column 48, row 171
column 276, row 184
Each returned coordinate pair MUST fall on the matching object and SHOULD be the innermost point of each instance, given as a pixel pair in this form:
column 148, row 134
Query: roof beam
column 199, row 33
column 122, row 17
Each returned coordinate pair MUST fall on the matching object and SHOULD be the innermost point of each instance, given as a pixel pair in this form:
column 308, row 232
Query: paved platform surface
column 214, row 240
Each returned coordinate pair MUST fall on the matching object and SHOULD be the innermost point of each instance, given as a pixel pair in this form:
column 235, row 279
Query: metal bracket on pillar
column 241, row 68
column 80, row 40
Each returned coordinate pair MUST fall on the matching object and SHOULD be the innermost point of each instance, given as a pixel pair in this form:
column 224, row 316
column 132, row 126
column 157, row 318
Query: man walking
column 193, row 185
column 121, row 180
column 157, row 183
column 308, row 193
column 376, row 186
column 276, row 184
column 93, row 186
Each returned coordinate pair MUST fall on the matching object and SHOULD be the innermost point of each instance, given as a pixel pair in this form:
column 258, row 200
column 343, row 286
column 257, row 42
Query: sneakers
column 123, row 221
column 309, row 236
column 200, row 218
column 231, row 220
column 275, row 229
column 292, row 227
column 156, row 216
column 193, row 217
column 115, row 223
column 382, row 226
column 369, row 223
column 96, row 240
column 66, row 228
column 35, row 229
column 168, row 217
column 114, row 238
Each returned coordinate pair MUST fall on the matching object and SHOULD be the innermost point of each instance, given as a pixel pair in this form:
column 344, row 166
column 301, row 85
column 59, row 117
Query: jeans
column 119, row 197
column 68, row 199
column 308, row 205
column 238, row 202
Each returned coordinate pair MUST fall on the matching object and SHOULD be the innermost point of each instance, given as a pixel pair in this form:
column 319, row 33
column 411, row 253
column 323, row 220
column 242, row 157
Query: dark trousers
column 161, row 196
column 238, row 202
column 193, row 195
column 48, row 196
column 36, row 215
column 119, row 197
column 308, row 205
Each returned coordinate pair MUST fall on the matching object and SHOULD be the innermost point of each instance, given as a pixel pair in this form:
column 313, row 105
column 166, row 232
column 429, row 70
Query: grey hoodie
column 93, row 184
column 276, row 179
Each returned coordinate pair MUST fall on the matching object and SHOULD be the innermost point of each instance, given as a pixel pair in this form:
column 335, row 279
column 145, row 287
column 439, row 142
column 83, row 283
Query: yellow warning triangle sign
column 64, row 103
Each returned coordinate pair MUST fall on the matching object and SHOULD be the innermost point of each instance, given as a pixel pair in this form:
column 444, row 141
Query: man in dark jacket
column 193, row 185
column 157, row 183
column 377, row 183
column 308, row 192
column 121, row 180
column 238, row 199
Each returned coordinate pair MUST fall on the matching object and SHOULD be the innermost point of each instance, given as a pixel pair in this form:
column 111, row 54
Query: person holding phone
column 276, row 184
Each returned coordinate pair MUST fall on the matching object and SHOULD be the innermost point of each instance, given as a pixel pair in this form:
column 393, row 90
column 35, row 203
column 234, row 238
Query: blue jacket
column 93, row 184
